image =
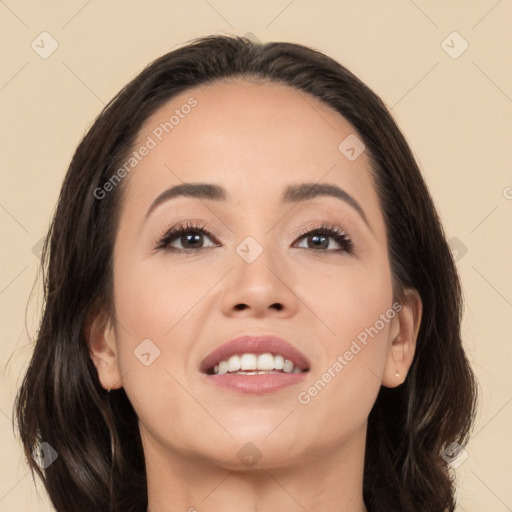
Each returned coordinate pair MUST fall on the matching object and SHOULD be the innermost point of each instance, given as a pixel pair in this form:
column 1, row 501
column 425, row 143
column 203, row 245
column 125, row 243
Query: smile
column 255, row 364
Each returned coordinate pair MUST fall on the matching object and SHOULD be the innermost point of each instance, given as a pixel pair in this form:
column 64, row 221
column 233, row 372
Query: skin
column 254, row 139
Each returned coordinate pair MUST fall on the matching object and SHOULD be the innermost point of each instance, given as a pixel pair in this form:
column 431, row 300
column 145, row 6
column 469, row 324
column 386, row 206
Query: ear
column 403, row 336
column 100, row 336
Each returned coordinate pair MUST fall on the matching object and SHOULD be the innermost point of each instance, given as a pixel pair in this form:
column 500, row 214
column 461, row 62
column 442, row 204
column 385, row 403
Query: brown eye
column 189, row 236
column 191, row 240
column 318, row 239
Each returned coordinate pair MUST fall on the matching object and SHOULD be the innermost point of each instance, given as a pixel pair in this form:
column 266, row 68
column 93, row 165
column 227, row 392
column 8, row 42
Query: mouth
column 255, row 364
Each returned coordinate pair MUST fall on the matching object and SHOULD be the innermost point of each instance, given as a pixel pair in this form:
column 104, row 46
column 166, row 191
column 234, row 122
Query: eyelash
column 340, row 237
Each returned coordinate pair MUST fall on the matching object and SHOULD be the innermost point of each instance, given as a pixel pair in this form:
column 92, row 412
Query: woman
column 250, row 300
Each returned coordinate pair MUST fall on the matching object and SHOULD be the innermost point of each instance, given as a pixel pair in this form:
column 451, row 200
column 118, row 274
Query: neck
column 331, row 480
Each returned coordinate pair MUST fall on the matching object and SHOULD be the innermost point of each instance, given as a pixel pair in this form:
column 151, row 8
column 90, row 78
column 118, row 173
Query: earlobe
column 402, row 347
column 100, row 337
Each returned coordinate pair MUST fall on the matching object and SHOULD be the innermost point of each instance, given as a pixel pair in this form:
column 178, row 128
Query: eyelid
column 318, row 226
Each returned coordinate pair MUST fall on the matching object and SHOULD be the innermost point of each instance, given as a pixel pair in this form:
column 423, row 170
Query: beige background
column 455, row 112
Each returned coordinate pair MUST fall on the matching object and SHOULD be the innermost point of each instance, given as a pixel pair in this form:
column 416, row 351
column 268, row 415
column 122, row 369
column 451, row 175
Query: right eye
column 190, row 236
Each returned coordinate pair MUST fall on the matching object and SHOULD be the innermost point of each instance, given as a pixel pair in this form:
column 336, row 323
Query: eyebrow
column 291, row 194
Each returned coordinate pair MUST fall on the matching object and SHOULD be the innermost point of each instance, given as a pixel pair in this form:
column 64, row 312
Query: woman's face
column 254, row 274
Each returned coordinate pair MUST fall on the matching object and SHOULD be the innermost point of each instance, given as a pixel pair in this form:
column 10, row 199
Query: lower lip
column 256, row 384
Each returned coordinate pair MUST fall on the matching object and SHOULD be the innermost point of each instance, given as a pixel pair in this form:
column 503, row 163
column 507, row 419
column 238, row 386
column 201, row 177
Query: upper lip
column 259, row 344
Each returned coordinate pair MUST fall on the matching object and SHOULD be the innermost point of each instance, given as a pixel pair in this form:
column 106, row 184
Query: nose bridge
column 258, row 281
column 259, row 244
column 256, row 258
column 256, row 241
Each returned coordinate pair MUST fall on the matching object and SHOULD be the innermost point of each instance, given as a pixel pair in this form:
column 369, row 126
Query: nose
column 260, row 287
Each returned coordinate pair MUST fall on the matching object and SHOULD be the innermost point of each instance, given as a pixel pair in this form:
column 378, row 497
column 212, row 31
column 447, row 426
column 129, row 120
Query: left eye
column 319, row 235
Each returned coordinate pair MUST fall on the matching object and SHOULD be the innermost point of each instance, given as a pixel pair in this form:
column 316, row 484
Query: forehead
column 225, row 111
column 255, row 136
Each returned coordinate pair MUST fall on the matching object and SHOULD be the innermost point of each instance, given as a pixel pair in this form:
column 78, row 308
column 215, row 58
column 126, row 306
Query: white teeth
column 265, row 362
column 252, row 364
column 256, row 372
column 288, row 366
column 248, row 362
column 223, row 367
column 234, row 364
column 278, row 362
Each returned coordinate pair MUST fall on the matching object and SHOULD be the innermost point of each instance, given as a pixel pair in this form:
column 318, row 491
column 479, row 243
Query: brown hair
column 100, row 463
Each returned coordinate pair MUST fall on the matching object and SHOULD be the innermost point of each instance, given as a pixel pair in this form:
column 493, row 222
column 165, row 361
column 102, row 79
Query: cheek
column 151, row 312
column 347, row 298
column 356, row 309
column 153, row 298
column 164, row 300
